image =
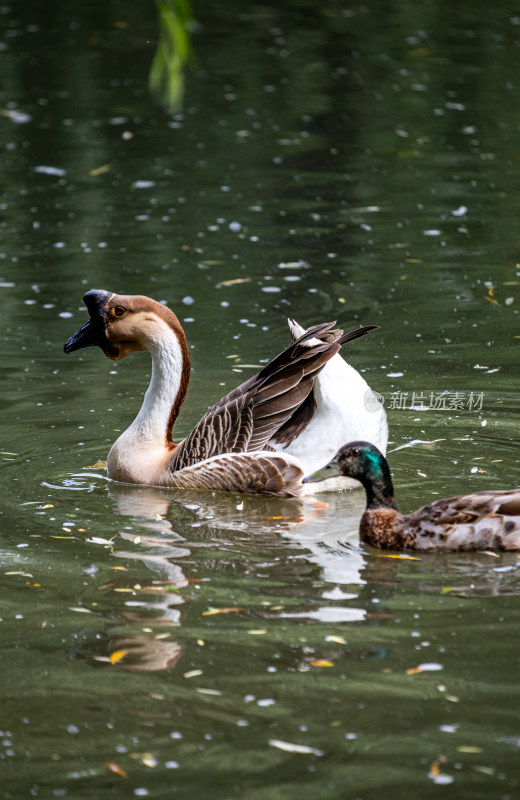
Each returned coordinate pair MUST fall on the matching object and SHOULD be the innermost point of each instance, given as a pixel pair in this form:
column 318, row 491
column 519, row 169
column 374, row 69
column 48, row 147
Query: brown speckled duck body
column 480, row 521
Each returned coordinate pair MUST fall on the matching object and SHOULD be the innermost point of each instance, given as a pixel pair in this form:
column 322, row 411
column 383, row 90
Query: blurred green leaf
column 166, row 79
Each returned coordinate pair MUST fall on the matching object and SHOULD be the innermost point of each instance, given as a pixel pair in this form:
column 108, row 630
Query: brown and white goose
column 280, row 425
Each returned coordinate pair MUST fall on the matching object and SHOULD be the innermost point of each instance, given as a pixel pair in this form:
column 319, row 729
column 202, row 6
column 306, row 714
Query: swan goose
column 480, row 521
column 265, row 436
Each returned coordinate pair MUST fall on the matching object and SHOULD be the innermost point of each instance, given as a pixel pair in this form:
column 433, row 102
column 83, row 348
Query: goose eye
column 355, row 451
column 119, row 311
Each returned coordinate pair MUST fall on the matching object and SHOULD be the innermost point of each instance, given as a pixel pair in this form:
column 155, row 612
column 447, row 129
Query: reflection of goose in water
column 316, row 529
column 148, row 510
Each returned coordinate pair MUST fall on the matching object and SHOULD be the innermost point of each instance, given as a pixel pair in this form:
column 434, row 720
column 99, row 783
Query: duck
column 265, row 436
column 488, row 520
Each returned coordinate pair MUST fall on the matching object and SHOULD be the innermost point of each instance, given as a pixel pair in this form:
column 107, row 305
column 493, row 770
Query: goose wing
column 246, row 418
column 260, row 473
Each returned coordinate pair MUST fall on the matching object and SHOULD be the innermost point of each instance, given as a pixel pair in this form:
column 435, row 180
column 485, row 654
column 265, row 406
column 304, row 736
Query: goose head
column 121, row 324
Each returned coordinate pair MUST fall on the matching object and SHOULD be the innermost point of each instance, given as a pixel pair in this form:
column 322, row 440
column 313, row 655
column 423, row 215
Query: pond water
column 337, row 161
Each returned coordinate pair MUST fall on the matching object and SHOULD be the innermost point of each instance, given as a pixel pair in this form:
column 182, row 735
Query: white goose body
column 343, row 407
column 265, row 436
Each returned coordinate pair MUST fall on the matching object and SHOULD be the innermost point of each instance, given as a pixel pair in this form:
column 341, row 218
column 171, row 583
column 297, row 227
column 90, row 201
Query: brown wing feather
column 249, row 416
column 481, row 521
column 261, row 473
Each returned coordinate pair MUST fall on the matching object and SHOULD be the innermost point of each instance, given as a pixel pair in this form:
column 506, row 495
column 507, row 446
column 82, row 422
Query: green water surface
column 336, row 161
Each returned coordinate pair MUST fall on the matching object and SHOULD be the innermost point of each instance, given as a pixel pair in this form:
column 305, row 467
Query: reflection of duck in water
column 481, row 521
column 285, row 422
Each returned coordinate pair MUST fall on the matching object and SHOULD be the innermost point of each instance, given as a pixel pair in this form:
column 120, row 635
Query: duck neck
column 168, row 385
column 379, row 488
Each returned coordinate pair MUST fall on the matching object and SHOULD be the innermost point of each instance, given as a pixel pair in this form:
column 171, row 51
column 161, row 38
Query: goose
column 265, row 436
column 480, row 521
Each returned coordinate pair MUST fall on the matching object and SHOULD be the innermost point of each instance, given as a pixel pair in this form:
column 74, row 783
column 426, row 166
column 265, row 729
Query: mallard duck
column 480, row 521
column 264, row 436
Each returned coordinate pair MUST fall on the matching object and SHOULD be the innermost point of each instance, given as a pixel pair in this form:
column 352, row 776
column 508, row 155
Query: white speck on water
column 292, row 278
column 242, row 723
column 141, row 792
column 267, row 701
column 171, row 764
column 48, row 305
column 72, row 729
column 351, row 736
column 51, row 171
column 235, row 227
column 224, row 304
column 432, row 232
column 7, row 285
column 175, row 735
column 248, row 698
column 254, row 238
column 449, row 728
column 59, row 245
column 460, row 211
column 143, row 185
column 442, row 778
column 189, row 319
column 271, row 289
column 65, row 314
column 23, row 544
column 394, row 374
column 430, row 666
column 142, row 217
column 30, row 302
column 188, row 301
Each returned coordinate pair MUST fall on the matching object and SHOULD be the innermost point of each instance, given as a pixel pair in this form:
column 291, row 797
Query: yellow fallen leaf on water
column 414, row 671
column 149, row 760
column 99, row 170
column 336, row 639
column 233, row 281
column 211, row 611
column 48, row 505
column 117, row 655
column 318, row 662
column 115, row 768
column 17, row 572
column 402, row 556
column 193, row 673
column 257, row 632
column 463, row 748
column 491, row 300
column 97, row 465
column 123, row 569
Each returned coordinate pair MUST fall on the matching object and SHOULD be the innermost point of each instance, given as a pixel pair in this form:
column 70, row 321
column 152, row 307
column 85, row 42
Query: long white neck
column 153, row 419
column 145, row 446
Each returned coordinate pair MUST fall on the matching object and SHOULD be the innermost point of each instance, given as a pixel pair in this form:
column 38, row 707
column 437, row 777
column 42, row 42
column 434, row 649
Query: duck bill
column 87, row 336
column 92, row 333
column 331, row 470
